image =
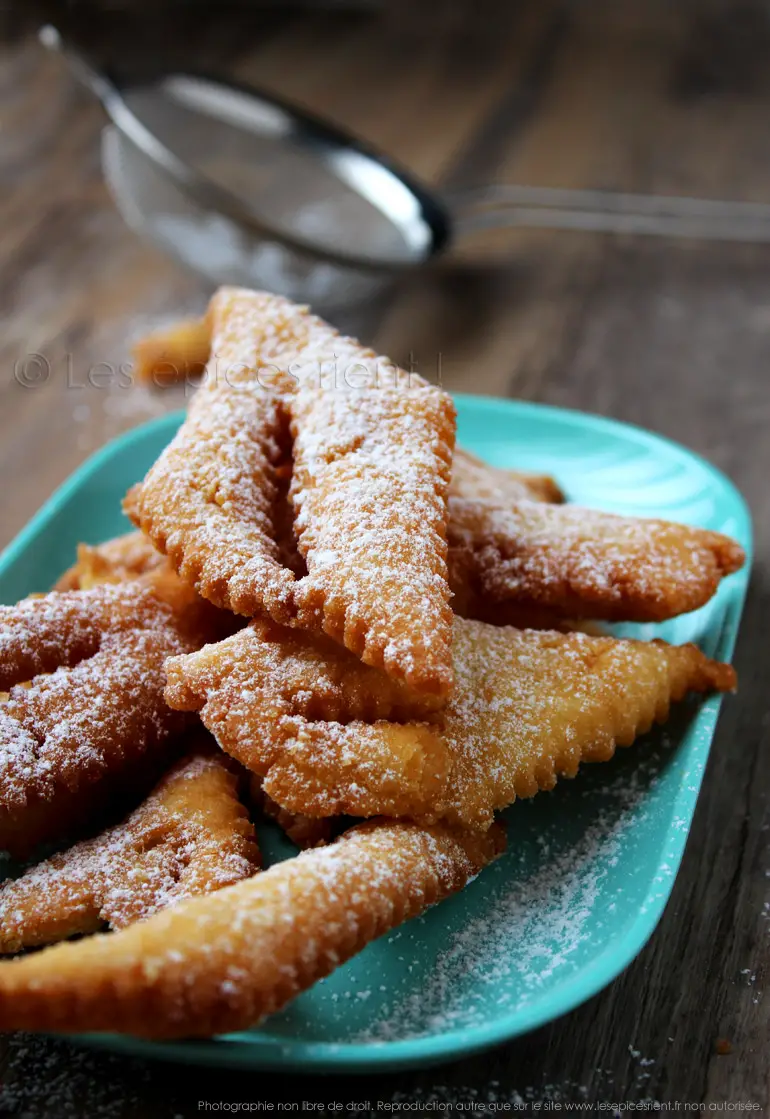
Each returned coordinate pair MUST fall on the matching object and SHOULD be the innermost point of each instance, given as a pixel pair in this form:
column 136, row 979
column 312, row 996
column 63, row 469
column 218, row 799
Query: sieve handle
column 84, row 70
column 599, row 211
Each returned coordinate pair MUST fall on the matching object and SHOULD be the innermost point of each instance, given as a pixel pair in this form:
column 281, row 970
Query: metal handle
column 81, row 67
column 602, row 211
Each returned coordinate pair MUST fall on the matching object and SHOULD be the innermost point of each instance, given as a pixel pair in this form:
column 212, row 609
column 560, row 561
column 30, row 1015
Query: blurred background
column 642, row 96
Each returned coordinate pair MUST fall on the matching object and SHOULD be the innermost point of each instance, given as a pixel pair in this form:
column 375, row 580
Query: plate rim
column 243, row 1050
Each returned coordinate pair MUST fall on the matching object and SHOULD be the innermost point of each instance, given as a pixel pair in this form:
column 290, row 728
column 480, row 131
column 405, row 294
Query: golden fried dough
column 191, row 836
column 371, row 472
column 475, row 480
column 371, row 464
column 267, row 686
column 580, row 563
column 209, row 500
column 174, row 354
column 130, row 556
column 93, row 711
column 223, row 962
column 303, row 831
column 527, row 706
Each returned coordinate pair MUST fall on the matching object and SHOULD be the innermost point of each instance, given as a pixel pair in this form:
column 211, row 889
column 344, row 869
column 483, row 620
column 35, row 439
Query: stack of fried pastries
column 327, row 611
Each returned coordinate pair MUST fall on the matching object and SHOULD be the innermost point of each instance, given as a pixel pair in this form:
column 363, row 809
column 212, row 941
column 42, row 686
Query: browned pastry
column 182, row 351
column 221, row 963
column 133, row 555
column 191, row 836
column 579, row 563
column 209, row 500
column 93, row 715
column 475, row 480
column 303, row 831
column 371, row 465
column 369, row 486
column 175, row 354
column 130, row 556
column 268, row 685
column 527, row 706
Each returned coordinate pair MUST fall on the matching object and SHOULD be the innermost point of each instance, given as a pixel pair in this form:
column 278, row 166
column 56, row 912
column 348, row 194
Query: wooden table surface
column 672, row 336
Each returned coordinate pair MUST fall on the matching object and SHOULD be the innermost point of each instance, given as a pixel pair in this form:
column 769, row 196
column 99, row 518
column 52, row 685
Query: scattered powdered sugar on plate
column 50, row 1078
column 529, row 927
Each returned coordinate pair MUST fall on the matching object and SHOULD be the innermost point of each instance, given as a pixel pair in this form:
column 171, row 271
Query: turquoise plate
column 589, row 867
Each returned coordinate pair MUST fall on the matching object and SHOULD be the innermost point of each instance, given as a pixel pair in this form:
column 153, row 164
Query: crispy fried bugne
column 92, row 716
column 190, row 836
column 209, row 500
column 329, row 738
column 303, row 831
column 371, row 466
column 183, row 350
column 581, row 563
column 269, row 686
column 369, row 486
column 174, row 354
column 221, row 963
column 130, row 556
column 476, row 480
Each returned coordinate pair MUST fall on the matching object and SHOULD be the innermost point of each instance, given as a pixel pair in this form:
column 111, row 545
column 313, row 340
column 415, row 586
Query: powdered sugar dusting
column 372, row 459
column 528, row 706
column 371, row 469
column 529, row 928
column 100, row 707
column 223, row 962
column 190, row 836
column 47, row 1077
column 584, row 562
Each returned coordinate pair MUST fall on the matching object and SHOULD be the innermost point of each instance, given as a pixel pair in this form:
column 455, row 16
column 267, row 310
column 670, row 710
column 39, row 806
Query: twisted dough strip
column 191, row 836
column 268, row 689
column 527, row 706
column 372, row 450
column 132, row 556
column 371, row 470
column 579, row 563
column 209, row 500
column 184, row 348
column 223, row 962
column 176, row 353
column 98, row 720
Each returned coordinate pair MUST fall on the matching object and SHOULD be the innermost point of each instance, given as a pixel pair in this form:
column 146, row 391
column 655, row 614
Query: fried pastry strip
column 191, row 836
column 580, row 563
column 303, row 831
column 183, row 350
column 209, row 500
column 223, row 962
column 475, row 480
column 268, row 689
column 93, row 714
column 168, row 356
column 130, row 556
column 527, row 706
column 369, row 487
column 372, row 460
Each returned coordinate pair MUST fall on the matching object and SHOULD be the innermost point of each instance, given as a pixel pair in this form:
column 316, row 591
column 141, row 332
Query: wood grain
column 672, row 336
